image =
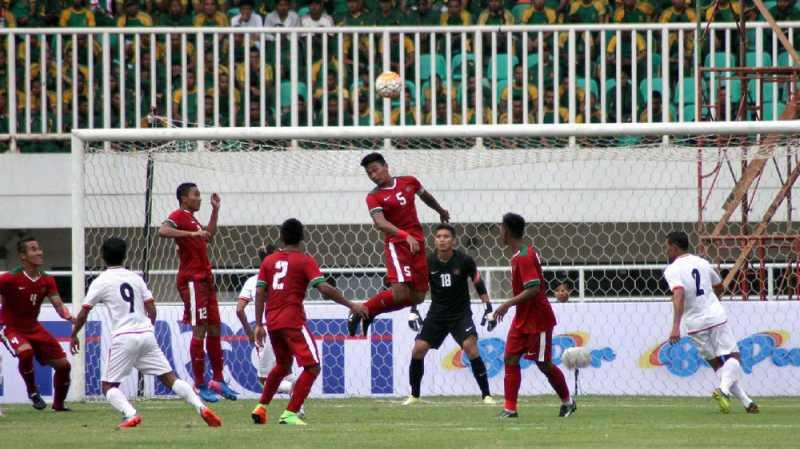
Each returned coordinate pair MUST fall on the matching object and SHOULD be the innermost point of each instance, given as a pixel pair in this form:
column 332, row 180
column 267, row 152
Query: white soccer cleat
column 488, row 400
column 411, row 400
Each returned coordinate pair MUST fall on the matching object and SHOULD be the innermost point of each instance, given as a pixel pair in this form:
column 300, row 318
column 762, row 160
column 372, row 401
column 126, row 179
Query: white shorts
column 134, row 350
column 715, row 342
column 264, row 360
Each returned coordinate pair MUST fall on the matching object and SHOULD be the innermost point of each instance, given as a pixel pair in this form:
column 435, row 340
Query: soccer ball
column 388, row 85
column 576, row 357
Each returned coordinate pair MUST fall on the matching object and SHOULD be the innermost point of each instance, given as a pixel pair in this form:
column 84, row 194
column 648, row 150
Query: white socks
column 730, row 372
column 118, row 400
column 185, row 391
column 737, row 391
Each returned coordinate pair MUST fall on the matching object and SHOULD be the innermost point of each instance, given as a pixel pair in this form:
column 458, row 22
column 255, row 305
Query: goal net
column 599, row 201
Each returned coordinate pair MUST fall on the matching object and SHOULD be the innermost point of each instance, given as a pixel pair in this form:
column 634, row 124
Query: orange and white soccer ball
column 388, row 85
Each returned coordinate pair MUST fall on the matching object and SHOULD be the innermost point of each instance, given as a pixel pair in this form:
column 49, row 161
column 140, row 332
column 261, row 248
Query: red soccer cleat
column 259, row 414
column 210, row 418
column 130, row 423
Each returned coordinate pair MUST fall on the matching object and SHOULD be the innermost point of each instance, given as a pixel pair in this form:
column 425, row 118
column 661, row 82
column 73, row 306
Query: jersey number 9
column 126, row 292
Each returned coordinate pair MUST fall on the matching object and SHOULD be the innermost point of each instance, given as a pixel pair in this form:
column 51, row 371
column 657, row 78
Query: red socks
column 61, row 383
column 198, row 357
column 272, row 383
column 557, row 381
column 26, row 370
column 301, row 390
column 512, row 381
column 383, row 302
column 214, row 349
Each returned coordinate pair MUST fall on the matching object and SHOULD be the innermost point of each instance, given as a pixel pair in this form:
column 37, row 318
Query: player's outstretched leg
column 274, row 378
column 299, row 394
column 25, row 357
column 215, row 355
column 730, row 373
column 470, row 347
column 117, row 399
column 185, row 391
column 61, row 381
column 556, row 379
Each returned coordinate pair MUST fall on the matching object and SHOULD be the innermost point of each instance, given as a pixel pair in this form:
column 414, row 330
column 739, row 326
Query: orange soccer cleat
column 259, row 414
column 129, row 423
column 210, row 418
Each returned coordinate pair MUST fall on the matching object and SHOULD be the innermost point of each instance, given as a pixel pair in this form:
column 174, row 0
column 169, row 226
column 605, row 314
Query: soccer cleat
column 567, row 409
column 411, row 400
column 129, row 423
column 291, row 418
column 365, row 325
column 62, row 409
column 206, row 394
column 753, row 409
column 301, row 413
column 259, row 414
column 352, row 324
column 221, row 388
column 508, row 414
column 722, row 400
column 488, row 400
column 210, row 418
column 38, row 402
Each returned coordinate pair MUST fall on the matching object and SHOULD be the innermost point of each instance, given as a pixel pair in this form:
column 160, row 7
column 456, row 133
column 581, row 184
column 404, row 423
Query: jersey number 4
column 126, row 292
column 281, row 267
column 696, row 276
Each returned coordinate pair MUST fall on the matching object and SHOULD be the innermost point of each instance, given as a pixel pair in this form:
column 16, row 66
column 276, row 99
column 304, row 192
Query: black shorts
column 435, row 330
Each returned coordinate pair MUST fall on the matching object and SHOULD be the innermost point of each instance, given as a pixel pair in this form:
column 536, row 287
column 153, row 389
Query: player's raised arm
column 382, row 224
column 169, row 230
column 430, row 201
column 212, row 222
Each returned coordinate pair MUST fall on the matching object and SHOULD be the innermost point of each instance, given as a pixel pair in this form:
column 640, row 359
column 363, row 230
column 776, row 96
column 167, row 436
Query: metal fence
column 58, row 79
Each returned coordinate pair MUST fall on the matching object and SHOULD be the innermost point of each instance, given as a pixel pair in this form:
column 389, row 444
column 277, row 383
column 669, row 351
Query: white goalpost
column 599, row 198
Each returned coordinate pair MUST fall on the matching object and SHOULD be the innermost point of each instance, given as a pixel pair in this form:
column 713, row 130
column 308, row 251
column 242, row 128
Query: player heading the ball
column 284, row 277
column 196, row 287
column 131, row 307
column 22, row 292
column 392, row 207
column 531, row 332
column 696, row 287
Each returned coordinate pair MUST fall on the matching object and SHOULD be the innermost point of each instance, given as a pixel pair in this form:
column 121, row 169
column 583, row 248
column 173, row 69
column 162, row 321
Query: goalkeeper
column 450, row 312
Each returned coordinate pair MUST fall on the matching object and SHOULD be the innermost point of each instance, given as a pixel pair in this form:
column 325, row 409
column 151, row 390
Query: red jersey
column 286, row 275
column 535, row 315
column 23, row 297
column 397, row 204
column 192, row 251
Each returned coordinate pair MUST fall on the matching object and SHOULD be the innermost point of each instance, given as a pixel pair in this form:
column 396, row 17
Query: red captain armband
column 401, row 234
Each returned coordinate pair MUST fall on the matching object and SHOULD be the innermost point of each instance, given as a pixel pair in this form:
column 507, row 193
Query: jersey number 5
column 696, row 276
column 401, row 198
column 281, row 267
column 126, row 292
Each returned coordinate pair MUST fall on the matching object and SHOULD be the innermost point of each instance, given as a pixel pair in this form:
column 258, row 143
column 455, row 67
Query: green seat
column 303, row 11
column 720, row 60
column 766, row 91
column 501, row 60
column 411, row 91
column 784, row 60
column 656, row 61
column 458, row 60
column 286, row 92
column 688, row 112
column 517, row 11
column 593, row 87
column 689, row 95
column 425, row 70
column 657, row 86
column 750, row 59
column 769, row 114
column 533, row 60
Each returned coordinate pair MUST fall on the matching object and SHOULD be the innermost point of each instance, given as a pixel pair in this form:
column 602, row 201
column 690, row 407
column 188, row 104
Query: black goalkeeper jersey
column 450, row 285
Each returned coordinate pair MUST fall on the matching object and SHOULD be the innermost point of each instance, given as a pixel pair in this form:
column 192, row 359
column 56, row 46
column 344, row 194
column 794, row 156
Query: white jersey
column 124, row 293
column 248, row 292
column 695, row 275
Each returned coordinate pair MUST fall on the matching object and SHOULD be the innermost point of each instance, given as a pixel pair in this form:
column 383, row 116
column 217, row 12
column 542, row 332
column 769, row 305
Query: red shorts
column 407, row 268
column 45, row 346
column 536, row 346
column 199, row 302
column 288, row 342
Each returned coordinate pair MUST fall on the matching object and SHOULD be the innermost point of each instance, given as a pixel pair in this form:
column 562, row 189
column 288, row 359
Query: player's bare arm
column 526, row 295
column 60, row 307
column 242, row 315
column 260, row 334
column 150, row 309
column 382, row 224
column 430, row 201
column 77, row 325
column 212, row 222
column 677, row 313
column 332, row 293
column 169, row 231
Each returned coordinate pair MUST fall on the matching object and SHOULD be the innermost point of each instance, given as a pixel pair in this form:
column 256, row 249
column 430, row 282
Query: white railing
column 580, row 276
column 314, row 77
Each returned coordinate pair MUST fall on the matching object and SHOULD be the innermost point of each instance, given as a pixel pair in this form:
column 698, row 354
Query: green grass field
column 439, row 423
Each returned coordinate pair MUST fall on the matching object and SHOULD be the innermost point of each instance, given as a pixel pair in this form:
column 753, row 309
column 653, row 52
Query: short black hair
column 266, row 250
column 445, row 226
column 515, row 224
column 565, row 283
column 246, row 2
column 22, row 245
column 292, row 231
column 114, row 251
column 679, row 239
column 183, row 190
column 372, row 157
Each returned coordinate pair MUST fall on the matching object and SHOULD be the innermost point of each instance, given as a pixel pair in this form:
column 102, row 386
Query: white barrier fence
column 312, row 77
column 630, row 355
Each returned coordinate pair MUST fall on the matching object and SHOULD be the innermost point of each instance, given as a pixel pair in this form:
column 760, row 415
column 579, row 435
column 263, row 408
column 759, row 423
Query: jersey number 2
column 696, row 276
column 281, row 267
column 126, row 292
